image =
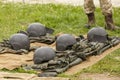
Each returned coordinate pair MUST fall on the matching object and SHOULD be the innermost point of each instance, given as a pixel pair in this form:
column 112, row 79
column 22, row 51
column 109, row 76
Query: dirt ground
column 25, row 76
column 90, row 76
column 116, row 3
column 92, row 60
column 89, row 62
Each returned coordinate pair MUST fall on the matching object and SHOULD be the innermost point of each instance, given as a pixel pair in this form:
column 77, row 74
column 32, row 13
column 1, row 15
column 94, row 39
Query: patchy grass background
column 110, row 64
column 62, row 18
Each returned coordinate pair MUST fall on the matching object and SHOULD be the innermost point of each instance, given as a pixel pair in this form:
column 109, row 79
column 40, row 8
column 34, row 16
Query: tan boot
column 91, row 20
column 109, row 23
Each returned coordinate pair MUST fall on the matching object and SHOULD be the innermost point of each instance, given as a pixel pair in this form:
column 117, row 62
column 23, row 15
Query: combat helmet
column 97, row 34
column 19, row 41
column 43, row 54
column 38, row 29
column 64, row 41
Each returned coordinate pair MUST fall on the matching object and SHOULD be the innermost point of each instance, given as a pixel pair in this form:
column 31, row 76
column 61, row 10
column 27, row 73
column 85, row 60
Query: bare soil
column 89, row 76
column 75, row 69
column 90, row 61
column 25, row 76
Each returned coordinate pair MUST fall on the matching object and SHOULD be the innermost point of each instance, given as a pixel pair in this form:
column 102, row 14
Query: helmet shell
column 97, row 34
column 19, row 41
column 36, row 30
column 43, row 54
column 64, row 41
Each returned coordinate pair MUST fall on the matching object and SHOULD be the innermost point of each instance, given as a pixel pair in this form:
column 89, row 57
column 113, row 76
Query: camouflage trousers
column 105, row 5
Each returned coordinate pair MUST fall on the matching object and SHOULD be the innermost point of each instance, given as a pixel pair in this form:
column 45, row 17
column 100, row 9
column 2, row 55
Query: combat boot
column 91, row 20
column 109, row 23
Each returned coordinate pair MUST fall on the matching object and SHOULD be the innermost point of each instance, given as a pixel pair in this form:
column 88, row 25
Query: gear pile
column 69, row 51
column 19, row 43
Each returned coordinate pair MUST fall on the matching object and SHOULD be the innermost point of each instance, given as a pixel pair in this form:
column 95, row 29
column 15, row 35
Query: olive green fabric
column 66, row 59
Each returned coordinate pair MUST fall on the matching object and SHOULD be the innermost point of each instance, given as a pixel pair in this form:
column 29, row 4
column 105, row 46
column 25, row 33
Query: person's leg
column 106, row 7
column 89, row 8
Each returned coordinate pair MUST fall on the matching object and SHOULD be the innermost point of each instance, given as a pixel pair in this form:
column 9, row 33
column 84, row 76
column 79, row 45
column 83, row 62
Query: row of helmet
column 21, row 40
column 63, row 42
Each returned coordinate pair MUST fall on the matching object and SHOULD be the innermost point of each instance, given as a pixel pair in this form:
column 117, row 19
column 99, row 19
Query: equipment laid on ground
column 65, row 41
column 69, row 50
column 19, row 41
column 43, row 54
column 97, row 34
column 38, row 29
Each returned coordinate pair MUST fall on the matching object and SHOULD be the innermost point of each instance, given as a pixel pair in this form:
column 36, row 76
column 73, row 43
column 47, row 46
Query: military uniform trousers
column 105, row 5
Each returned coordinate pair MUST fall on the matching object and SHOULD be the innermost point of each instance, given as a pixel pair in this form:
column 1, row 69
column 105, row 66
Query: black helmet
column 19, row 41
column 43, row 54
column 64, row 41
column 97, row 34
column 36, row 30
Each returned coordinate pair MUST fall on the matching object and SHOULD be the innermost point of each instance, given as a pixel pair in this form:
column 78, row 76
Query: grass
column 66, row 19
column 110, row 64
column 61, row 18
column 20, row 70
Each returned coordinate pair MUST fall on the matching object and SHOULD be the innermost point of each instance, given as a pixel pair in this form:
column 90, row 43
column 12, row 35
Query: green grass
column 66, row 19
column 61, row 18
column 20, row 70
column 110, row 64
